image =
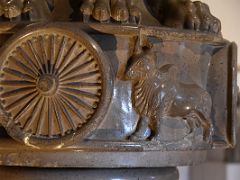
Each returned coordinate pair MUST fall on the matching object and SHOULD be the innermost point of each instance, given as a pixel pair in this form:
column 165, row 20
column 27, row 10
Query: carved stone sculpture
column 158, row 95
column 172, row 13
column 114, row 83
column 18, row 9
column 12, row 9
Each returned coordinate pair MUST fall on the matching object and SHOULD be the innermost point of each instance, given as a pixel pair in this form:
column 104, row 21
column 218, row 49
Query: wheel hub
column 47, row 85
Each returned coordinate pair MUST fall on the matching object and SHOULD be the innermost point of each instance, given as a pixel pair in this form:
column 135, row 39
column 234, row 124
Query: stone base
column 85, row 156
column 12, row 173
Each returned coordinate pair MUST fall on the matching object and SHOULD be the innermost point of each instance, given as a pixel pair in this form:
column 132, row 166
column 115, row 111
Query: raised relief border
column 162, row 100
column 153, row 78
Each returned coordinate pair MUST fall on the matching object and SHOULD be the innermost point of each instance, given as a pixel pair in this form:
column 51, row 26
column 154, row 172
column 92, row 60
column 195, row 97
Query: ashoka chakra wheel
column 54, row 84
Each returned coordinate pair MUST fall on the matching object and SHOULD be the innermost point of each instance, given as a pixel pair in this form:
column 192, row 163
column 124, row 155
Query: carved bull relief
column 159, row 96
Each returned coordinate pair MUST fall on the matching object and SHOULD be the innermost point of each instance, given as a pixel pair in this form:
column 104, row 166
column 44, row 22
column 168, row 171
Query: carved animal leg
column 99, row 9
column 27, row 7
column 135, row 13
column 208, row 21
column 13, row 9
column 87, row 9
column 186, row 14
column 120, row 11
column 192, row 21
column 153, row 125
column 142, row 131
column 126, row 10
column 207, row 136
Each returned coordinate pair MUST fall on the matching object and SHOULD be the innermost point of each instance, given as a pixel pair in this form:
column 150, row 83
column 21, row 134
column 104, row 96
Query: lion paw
column 102, row 11
column 190, row 15
column 199, row 18
column 208, row 22
column 11, row 9
column 120, row 11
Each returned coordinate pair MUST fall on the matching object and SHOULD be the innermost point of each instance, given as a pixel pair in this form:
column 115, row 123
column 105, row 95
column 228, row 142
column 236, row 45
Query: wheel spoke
column 78, row 101
column 17, row 92
column 73, row 63
column 66, row 114
column 25, row 108
column 60, row 54
column 72, row 107
column 24, row 67
column 44, row 54
column 77, row 92
column 75, row 71
column 18, row 74
column 52, row 60
column 81, row 85
column 33, row 115
column 67, row 58
column 50, row 118
column 58, row 117
column 41, row 117
column 28, row 59
column 16, row 83
column 19, row 101
column 81, row 76
column 36, row 56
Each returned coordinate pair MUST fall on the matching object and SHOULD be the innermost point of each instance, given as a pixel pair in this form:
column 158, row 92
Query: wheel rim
column 51, row 84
